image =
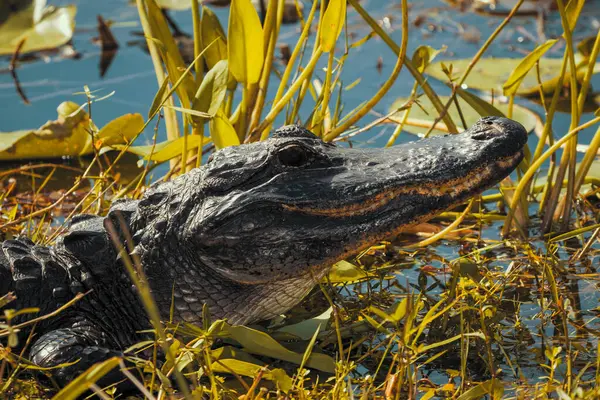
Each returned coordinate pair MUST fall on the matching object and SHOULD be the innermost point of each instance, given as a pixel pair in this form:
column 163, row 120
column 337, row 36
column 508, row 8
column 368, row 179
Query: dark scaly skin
column 249, row 234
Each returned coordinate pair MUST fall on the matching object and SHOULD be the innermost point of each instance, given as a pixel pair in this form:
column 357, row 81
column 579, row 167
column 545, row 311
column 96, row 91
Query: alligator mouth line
column 453, row 188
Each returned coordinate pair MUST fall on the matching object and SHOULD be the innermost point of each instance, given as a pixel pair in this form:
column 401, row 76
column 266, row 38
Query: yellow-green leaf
column 85, row 380
column 212, row 90
column 166, row 150
column 246, row 42
column 211, row 30
column 120, row 130
column 243, row 368
column 423, row 56
column 222, row 132
column 332, row 24
column 511, row 86
column 257, row 342
column 66, row 136
column 345, row 272
column 42, row 28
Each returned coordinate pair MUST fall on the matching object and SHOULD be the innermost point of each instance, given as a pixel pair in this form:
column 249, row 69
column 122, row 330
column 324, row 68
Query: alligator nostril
column 484, row 135
column 488, row 122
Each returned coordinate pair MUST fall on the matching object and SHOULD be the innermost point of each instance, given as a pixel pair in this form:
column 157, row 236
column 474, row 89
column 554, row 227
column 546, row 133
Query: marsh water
column 52, row 78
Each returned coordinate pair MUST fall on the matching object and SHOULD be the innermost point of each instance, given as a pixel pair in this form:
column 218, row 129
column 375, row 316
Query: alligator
column 248, row 234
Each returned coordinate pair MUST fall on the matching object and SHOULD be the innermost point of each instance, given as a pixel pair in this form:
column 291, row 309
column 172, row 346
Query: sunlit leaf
column 41, row 27
column 257, row 342
column 345, row 272
column 120, row 130
column 573, row 10
column 170, row 53
column 419, row 121
column 246, row 42
column 66, row 136
column 211, row 30
column 306, row 329
column 243, row 368
column 222, row 132
column 332, row 24
column 424, row 55
column 165, row 150
column 511, row 86
column 212, row 90
column 83, row 382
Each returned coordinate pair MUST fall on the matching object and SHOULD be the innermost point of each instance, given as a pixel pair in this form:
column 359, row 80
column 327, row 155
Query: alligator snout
column 497, row 127
column 506, row 135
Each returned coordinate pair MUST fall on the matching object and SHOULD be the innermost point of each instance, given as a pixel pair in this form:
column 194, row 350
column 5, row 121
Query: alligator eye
column 293, row 156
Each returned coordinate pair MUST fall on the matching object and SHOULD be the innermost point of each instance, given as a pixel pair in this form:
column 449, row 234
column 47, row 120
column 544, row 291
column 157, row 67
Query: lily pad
column 491, row 73
column 41, row 27
column 420, row 118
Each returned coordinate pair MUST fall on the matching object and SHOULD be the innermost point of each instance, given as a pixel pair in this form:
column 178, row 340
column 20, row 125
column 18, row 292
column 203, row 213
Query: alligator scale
column 248, row 234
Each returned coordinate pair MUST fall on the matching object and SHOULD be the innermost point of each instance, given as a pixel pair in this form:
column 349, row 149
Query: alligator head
column 252, row 231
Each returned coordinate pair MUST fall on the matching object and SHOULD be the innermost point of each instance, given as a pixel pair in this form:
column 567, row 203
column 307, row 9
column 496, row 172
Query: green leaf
column 222, row 132
column 246, row 42
column 86, row 379
column 211, row 30
column 41, row 27
column 511, row 86
column 212, row 90
column 419, row 120
column 257, row 342
column 332, row 24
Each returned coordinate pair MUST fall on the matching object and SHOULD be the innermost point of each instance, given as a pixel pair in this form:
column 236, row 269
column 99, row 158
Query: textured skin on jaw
column 248, row 234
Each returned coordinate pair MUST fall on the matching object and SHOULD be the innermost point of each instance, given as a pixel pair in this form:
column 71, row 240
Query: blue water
column 50, row 81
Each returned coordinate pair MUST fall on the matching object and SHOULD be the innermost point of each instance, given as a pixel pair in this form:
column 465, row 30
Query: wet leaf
column 211, row 30
column 212, row 90
column 511, row 86
column 246, row 42
column 257, row 342
column 66, row 136
column 222, row 132
column 42, row 27
column 333, row 22
column 419, row 121
column 345, row 272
